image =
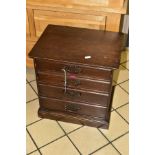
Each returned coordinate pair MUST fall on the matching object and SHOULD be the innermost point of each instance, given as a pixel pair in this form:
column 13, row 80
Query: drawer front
column 72, row 107
column 79, row 71
column 73, row 95
column 43, row 18
column 74, row 82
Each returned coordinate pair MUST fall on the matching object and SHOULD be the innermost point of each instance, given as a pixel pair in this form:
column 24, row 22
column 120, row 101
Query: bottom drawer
column 73, row 107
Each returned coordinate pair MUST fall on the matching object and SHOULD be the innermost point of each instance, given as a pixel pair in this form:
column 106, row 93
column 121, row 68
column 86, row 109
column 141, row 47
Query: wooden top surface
column 81, row 46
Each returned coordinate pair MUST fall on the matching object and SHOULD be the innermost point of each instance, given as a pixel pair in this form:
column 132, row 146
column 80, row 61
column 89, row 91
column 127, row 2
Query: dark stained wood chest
column 74, row 70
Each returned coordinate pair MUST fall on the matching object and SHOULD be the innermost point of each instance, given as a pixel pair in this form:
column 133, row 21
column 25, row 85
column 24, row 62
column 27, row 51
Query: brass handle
column 73, row 69
column 73, row 93
column 74, row 82
column 72, row 107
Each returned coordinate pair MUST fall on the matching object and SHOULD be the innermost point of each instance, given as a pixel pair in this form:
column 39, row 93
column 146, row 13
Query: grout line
column 33, row 141
column 123, row 89
column 31, row 152
column 124, row 66
column 124, row 62
column 74, row 145
column 32, row 100
column 52, row 141
column 69, row 138
column 33, row 89
column 32, row 80
column 34, row 122
column 75, row 129
column 27, row 81
column 109, row 141
column 120, row 65
column 120, row 82
column 59, row 138
column 121, row 116
column 121, row 106
column 120, row 136
column 99, row 149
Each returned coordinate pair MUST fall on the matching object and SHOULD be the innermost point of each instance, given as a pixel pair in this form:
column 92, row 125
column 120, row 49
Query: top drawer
column 79, row 71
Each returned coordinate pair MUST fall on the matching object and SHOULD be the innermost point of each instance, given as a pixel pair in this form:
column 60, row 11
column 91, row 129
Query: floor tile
column 107, row 150
column 120, row 75
column 120, row 97
column 125, row 85
column 117, row 127
column 122, row 144
column 29, row 144
column 45, row 131
column 30, row 74
column 87, row 139
column 32, row 111
column 113, row 83
column 60, row 147
column 124, row 56
column 126, row 64
column 30, row 94
column 34, row 85
column 124, row 111
column 35, row 153
column 68, row 127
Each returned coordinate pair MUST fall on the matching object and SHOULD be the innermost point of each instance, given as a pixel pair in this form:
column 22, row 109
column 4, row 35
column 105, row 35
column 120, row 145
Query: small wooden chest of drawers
column 74, row 68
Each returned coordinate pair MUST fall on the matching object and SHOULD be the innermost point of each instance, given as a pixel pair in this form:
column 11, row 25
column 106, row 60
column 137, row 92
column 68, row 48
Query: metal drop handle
column 72, row 107
column 72, row 93
column 74, row 82
column 73, row 69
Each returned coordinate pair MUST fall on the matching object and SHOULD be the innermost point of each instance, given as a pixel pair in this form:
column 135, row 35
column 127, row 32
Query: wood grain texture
column 74, row 118
column 43, row 18
column 77, row 44
column 30, row 14
column 113, row 22
column 116, row 6
column 27, row 26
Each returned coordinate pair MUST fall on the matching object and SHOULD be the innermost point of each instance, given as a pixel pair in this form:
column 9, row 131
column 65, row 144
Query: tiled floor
column 48, row 137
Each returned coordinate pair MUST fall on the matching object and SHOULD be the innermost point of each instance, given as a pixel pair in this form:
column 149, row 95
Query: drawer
column 43, row 18
column 72, row 107
column 73, row 95
column 74, row 82
column 79, row 71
